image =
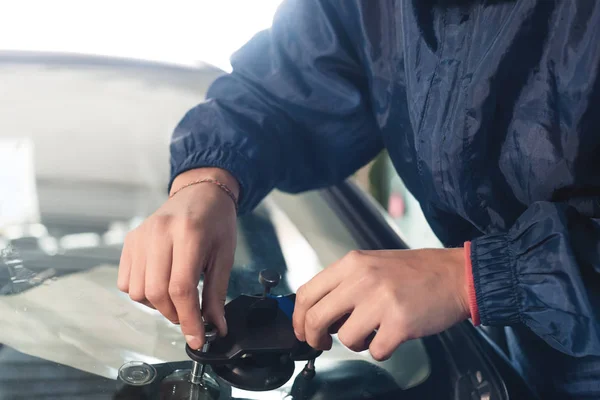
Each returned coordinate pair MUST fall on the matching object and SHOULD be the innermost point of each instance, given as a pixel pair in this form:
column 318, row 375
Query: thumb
column 214, row 292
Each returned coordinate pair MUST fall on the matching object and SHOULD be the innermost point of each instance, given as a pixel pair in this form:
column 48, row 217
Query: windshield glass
column 84, row 156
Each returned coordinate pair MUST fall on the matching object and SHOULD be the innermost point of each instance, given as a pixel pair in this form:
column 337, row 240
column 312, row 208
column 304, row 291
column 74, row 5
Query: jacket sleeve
column 292, row 115
column 545, row 274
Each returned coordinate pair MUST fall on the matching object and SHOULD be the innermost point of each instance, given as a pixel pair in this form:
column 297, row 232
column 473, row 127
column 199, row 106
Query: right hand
column 190, row 235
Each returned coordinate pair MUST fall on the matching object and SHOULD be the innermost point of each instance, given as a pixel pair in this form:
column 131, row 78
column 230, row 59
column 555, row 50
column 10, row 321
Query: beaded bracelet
column 223, row 187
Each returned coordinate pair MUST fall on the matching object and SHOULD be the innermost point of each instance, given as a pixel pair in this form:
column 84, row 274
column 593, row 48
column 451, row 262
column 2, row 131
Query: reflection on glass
column 20, row 278
column 177, row 386
column 86, row 323
column 28, row 230
column 79, row 240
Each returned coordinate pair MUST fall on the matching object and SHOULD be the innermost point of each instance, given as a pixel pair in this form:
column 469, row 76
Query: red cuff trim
column 471, row 286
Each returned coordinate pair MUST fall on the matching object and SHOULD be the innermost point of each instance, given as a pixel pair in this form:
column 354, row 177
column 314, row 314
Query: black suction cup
column 257, row 372
column 260, row 347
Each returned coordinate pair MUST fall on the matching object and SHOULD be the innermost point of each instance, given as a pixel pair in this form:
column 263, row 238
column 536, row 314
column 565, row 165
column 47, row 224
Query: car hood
column 58, row 295
column 68, row 309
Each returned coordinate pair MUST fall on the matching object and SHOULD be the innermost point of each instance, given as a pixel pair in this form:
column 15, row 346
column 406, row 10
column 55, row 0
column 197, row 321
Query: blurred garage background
column 198, row 35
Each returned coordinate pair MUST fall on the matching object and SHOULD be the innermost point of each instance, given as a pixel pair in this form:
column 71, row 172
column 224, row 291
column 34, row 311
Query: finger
column 148, row 304
column 125, row 266
column 386, row 341
column 358, row 331
column 313, row 291
column 214, row 291
column 158, row 274
column 326, row 312
column 183, row 288
column 137, row 276
column 333, row 329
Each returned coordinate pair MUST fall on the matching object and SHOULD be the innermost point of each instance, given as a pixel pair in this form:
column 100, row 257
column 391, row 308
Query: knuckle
column 156, row 295
column 188, row 223
column 123, row 286
column 313, row 319
column 354, row 258
column 161, row 222
column 137, row 296
column 169, row 314
column 379, row 352
column 372, row 269
column 180, row 291
column 347, row 340
column 188, row 229
column 388, row 292
column 397, row 317
column 301, row 296
column 357, row 348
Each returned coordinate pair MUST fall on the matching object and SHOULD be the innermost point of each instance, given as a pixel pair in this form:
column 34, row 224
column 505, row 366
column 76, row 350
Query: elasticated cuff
column 473, row 307
column 495, row 281
column 239, row 166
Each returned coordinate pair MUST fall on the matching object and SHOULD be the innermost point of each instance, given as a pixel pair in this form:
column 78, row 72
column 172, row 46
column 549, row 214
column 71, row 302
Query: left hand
column 401, row 294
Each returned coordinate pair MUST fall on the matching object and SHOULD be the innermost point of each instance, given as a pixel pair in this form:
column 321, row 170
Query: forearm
column 280, row 120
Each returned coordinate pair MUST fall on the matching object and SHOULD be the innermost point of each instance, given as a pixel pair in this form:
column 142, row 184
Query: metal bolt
column 269, row 279
column 197, row 373
column 309, row 370
column 210, row 334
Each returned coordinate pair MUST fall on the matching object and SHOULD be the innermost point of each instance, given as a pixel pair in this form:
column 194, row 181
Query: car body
column 98, row 129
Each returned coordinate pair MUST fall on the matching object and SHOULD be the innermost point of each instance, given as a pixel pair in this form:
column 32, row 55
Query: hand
column 191, row 234
column 400, row 294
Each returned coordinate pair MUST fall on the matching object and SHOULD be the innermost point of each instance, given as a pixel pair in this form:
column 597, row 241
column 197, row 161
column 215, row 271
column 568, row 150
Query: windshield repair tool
column 260, row 349
column 137, row 373
column 257, row 354
column 268, row 279
column 210, row 334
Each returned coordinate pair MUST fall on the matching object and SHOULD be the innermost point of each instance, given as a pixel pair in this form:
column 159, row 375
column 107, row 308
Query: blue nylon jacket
column 490, row 111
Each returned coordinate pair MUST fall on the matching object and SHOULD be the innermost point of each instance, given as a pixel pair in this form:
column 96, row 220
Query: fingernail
column 299, row 336
column 193, row 341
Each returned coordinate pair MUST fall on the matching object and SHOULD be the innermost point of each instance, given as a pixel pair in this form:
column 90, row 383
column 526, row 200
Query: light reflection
column 19, row 231
column 151, row 334
column 21, row 278
column 135, row 356
column 112, row 238
column 80, row 240
column 116, row 233
column 49, row 245
column 246, row 395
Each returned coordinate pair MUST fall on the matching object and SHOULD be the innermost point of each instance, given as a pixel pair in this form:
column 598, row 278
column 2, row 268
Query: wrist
column 197, row 174
column 455, row 261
